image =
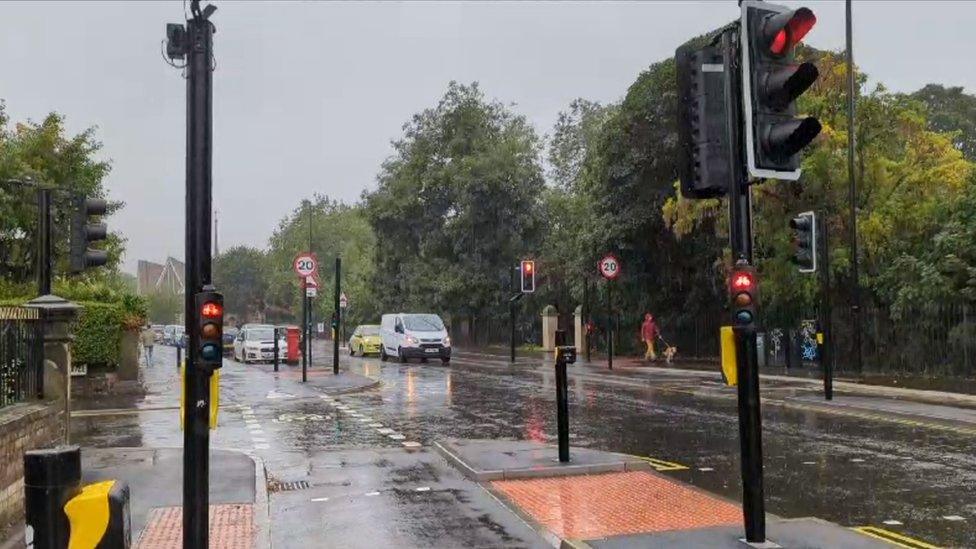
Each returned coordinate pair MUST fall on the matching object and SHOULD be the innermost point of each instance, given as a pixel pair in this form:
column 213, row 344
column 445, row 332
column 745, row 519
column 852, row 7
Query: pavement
column 372, row 452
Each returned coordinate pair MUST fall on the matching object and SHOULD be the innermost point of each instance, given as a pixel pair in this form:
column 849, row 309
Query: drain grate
column 279, row 486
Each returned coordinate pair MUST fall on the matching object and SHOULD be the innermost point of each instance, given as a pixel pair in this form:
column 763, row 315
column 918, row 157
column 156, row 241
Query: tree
column 951, row 110
column 457, row 205
column 240, row 274
column 44, row 153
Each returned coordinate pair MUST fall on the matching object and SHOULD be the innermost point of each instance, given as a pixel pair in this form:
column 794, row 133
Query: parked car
column 255, row 343
column 230, row 334
column 173, row 335
column 413, row 335
column 158, row 332
column 365, row 340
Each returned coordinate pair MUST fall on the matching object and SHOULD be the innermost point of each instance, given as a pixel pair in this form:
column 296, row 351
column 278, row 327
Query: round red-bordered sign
column 609, row 266
column 306, row 265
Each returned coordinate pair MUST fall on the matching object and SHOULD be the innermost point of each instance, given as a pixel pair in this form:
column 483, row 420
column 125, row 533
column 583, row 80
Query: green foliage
column 457, row 206
column 240, row 274
column 953, row 111
column 99, row 334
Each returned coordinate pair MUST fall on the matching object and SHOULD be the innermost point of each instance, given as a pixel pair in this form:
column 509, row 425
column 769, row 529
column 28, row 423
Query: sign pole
column 610, row 324
column 338, row 318
column 304, row 325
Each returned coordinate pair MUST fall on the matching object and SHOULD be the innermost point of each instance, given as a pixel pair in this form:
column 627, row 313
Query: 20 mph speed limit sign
column 306, row 265
column 609, row 266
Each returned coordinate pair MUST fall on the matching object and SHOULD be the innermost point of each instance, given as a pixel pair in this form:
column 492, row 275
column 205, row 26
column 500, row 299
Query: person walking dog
column 649, row 333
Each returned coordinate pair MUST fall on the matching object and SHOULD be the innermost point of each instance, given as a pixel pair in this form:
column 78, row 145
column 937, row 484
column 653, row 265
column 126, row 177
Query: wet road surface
column 912, row 479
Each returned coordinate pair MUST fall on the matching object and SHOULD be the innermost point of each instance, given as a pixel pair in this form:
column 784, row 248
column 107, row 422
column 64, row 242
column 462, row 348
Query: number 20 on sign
column 609, row 266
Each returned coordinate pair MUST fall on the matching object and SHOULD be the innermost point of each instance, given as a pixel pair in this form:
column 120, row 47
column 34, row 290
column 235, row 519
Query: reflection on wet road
column 910, row 479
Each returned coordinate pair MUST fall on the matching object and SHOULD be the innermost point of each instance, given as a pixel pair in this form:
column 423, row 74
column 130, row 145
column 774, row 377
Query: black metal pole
column 338, row 317
column 179, row 357
column 199, row 124
column 310, row 324
column 276, row 349
column 740, row 240
column 586, row 315
column 826, row 322
column 511, row 313
column 562, row 408
column 609, row 324
column 304, row 325
column 852, row 196
column 44, row 251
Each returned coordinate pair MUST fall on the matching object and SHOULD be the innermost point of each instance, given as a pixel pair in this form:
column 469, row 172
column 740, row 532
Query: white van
column 411, row 335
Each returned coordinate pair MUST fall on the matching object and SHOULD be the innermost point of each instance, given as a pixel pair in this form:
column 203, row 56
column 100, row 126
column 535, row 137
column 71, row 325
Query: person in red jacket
column 648, row 335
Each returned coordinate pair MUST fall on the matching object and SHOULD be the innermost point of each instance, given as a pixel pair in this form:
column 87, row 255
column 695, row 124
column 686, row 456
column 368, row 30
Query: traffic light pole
column 338, row 317
column 740, row 240
column 826, row 314
column 511, row 314
column 44, row 247
column 199, row 121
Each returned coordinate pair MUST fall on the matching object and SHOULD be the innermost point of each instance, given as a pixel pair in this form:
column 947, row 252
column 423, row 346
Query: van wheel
column 424, row 360
column 383, row 355
column 403, row 359
column 446, row 360
column 352, row 352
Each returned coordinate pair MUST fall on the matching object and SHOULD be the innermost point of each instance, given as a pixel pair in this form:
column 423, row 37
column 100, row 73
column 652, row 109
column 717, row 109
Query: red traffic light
column 743, row 281
column 787, row 29
column 527, row 266
column 212, row 309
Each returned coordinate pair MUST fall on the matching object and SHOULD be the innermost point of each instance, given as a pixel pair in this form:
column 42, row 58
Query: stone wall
column 23, row 427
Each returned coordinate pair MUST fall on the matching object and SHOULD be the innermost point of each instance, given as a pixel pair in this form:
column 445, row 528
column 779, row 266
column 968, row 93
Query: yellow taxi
column 365, row 340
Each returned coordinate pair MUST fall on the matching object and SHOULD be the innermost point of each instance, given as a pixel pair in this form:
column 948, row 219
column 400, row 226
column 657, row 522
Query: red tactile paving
column 231, row 527
column 594, row 506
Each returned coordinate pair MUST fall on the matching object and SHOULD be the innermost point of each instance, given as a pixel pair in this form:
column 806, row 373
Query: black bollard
column 564, row 355
column 179, row 357
column 52, row 476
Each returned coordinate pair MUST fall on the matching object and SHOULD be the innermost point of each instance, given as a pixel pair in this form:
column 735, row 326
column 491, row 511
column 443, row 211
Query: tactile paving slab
column 231, row 527
column 594, row 506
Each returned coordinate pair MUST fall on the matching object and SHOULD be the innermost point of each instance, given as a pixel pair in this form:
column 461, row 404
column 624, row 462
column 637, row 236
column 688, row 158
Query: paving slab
column 894, row 406
column 800, row 533
column 155, row 479
column 486, row 460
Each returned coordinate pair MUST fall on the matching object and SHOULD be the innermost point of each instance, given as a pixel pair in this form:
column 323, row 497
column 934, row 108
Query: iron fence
column 21, row 355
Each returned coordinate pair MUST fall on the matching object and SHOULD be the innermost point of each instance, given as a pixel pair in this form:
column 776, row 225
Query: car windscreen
column 423, row 323
column 370, row 330
column 260, row 334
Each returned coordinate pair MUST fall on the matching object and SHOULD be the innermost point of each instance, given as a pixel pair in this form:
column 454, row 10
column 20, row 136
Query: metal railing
column 21, row 355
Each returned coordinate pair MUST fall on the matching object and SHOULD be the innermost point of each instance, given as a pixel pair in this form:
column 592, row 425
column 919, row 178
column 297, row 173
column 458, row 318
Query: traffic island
column 608, row 500
column 333, row 384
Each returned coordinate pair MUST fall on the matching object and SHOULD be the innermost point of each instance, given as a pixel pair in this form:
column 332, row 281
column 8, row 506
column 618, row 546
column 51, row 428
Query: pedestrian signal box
column 528, row 276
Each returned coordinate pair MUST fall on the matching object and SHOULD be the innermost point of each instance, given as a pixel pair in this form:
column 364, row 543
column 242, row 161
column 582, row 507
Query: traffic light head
column 804, row 241
column 703, row 143
column 771, row 84
column 527, row 269
column 743, row 295
column 83, row 232
column 210, row 330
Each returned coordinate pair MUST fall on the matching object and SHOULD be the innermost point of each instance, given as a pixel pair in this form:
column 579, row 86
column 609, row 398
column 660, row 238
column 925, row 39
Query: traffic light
column 744, row 294
column 210, row 329
column 771, row 83
column 703, row 120
column 804, row 241
column 528, row 276
column 83, row 232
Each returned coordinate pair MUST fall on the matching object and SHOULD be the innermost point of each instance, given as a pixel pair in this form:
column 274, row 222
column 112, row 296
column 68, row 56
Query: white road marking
column 320, row 499
column 809, row 462
column 259, row 440
column 384, row 431
column 411, row 444
column 365, row 419
column 375, row 424
column 372, row 493
column 892, row 522
column 423, row 489
column 857, row 460
column 261, row 447
column 954, row 517
column 397, row 436
column 705, row 469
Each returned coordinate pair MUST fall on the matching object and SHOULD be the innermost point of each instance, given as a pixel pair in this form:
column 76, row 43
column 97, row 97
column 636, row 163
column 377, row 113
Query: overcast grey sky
column 308, row 95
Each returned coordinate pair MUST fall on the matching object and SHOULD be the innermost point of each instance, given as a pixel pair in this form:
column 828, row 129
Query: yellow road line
column 661, row 465
column 894, row 538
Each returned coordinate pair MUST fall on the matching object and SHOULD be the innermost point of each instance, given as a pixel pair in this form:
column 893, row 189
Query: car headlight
column 447, row 341
column 410, row 340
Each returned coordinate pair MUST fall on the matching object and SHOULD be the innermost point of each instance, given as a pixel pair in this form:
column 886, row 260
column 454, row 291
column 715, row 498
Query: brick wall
column 22, row 427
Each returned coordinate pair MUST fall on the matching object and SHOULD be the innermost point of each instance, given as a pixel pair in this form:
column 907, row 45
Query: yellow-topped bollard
column 99, row 516
column 730, row 373
column 214, row 396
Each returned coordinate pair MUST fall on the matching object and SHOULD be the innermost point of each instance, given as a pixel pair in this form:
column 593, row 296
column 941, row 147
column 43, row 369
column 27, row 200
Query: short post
column 179, row 357
column 51, row 478
column 276, row 349
column 565, row 354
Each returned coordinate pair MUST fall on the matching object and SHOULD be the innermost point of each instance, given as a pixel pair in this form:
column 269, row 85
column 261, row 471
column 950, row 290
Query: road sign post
column 609, row 267
column 338, row 317
column 306, row 266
